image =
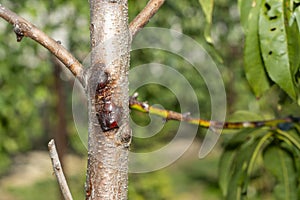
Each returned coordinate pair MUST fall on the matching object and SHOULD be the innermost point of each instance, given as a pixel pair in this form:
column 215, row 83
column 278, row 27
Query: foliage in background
column 27, row 115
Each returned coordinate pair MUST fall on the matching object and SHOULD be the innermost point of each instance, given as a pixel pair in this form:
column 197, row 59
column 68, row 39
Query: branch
column 58, row 171
column 283, row 123
column 144, row 16
column 24, row 28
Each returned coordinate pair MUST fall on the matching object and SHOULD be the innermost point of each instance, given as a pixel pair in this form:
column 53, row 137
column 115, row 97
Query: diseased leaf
column 207, row 7
column 280, row 163
column 274, row 45
column 254, row 67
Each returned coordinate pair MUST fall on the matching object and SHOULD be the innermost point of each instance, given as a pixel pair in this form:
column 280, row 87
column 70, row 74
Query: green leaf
column 280, row 163
column 297, row 16
column 274, row 45
column 244, row 8
column 254, row 67
column 225, row 170
column 292, row 136
column 207, row 7
column 245, row 115
column 242, row 137
column 293, row 37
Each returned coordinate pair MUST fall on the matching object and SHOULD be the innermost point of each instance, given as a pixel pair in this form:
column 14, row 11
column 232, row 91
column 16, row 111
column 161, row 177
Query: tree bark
column 109, row 132
column 60, row 133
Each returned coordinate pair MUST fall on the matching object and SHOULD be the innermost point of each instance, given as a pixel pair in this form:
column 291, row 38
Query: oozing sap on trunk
column 108, row 114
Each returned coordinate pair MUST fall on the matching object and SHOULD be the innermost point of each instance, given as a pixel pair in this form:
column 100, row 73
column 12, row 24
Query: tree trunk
column 109, row 132
column 61, row 133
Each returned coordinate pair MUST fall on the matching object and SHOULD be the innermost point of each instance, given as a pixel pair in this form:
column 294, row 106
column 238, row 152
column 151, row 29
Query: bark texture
column 109, row 132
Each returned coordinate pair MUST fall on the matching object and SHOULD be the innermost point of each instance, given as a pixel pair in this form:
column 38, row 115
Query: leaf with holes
column 274, row 45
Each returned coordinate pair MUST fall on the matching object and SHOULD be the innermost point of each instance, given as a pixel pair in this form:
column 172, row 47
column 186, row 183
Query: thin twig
column 144, row 16
column 281, row 123
column 24, row 28
column 59, row 171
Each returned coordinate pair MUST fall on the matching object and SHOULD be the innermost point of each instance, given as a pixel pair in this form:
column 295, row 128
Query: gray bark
column 109, row 132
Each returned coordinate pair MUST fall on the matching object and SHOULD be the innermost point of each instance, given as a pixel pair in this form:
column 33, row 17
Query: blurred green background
column 36, row 100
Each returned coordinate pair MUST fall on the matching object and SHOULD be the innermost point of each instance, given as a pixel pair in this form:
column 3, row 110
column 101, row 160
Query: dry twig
column 59, row 171
column 144, row 16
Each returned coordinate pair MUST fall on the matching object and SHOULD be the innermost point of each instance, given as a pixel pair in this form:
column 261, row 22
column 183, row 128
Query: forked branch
column 24, row 28
column 59, row 171
column 144, row 16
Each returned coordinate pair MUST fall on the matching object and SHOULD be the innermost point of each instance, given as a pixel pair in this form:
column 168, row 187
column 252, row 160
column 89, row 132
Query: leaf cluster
column 271, row 45
column 271, row 49
column 251, row 154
